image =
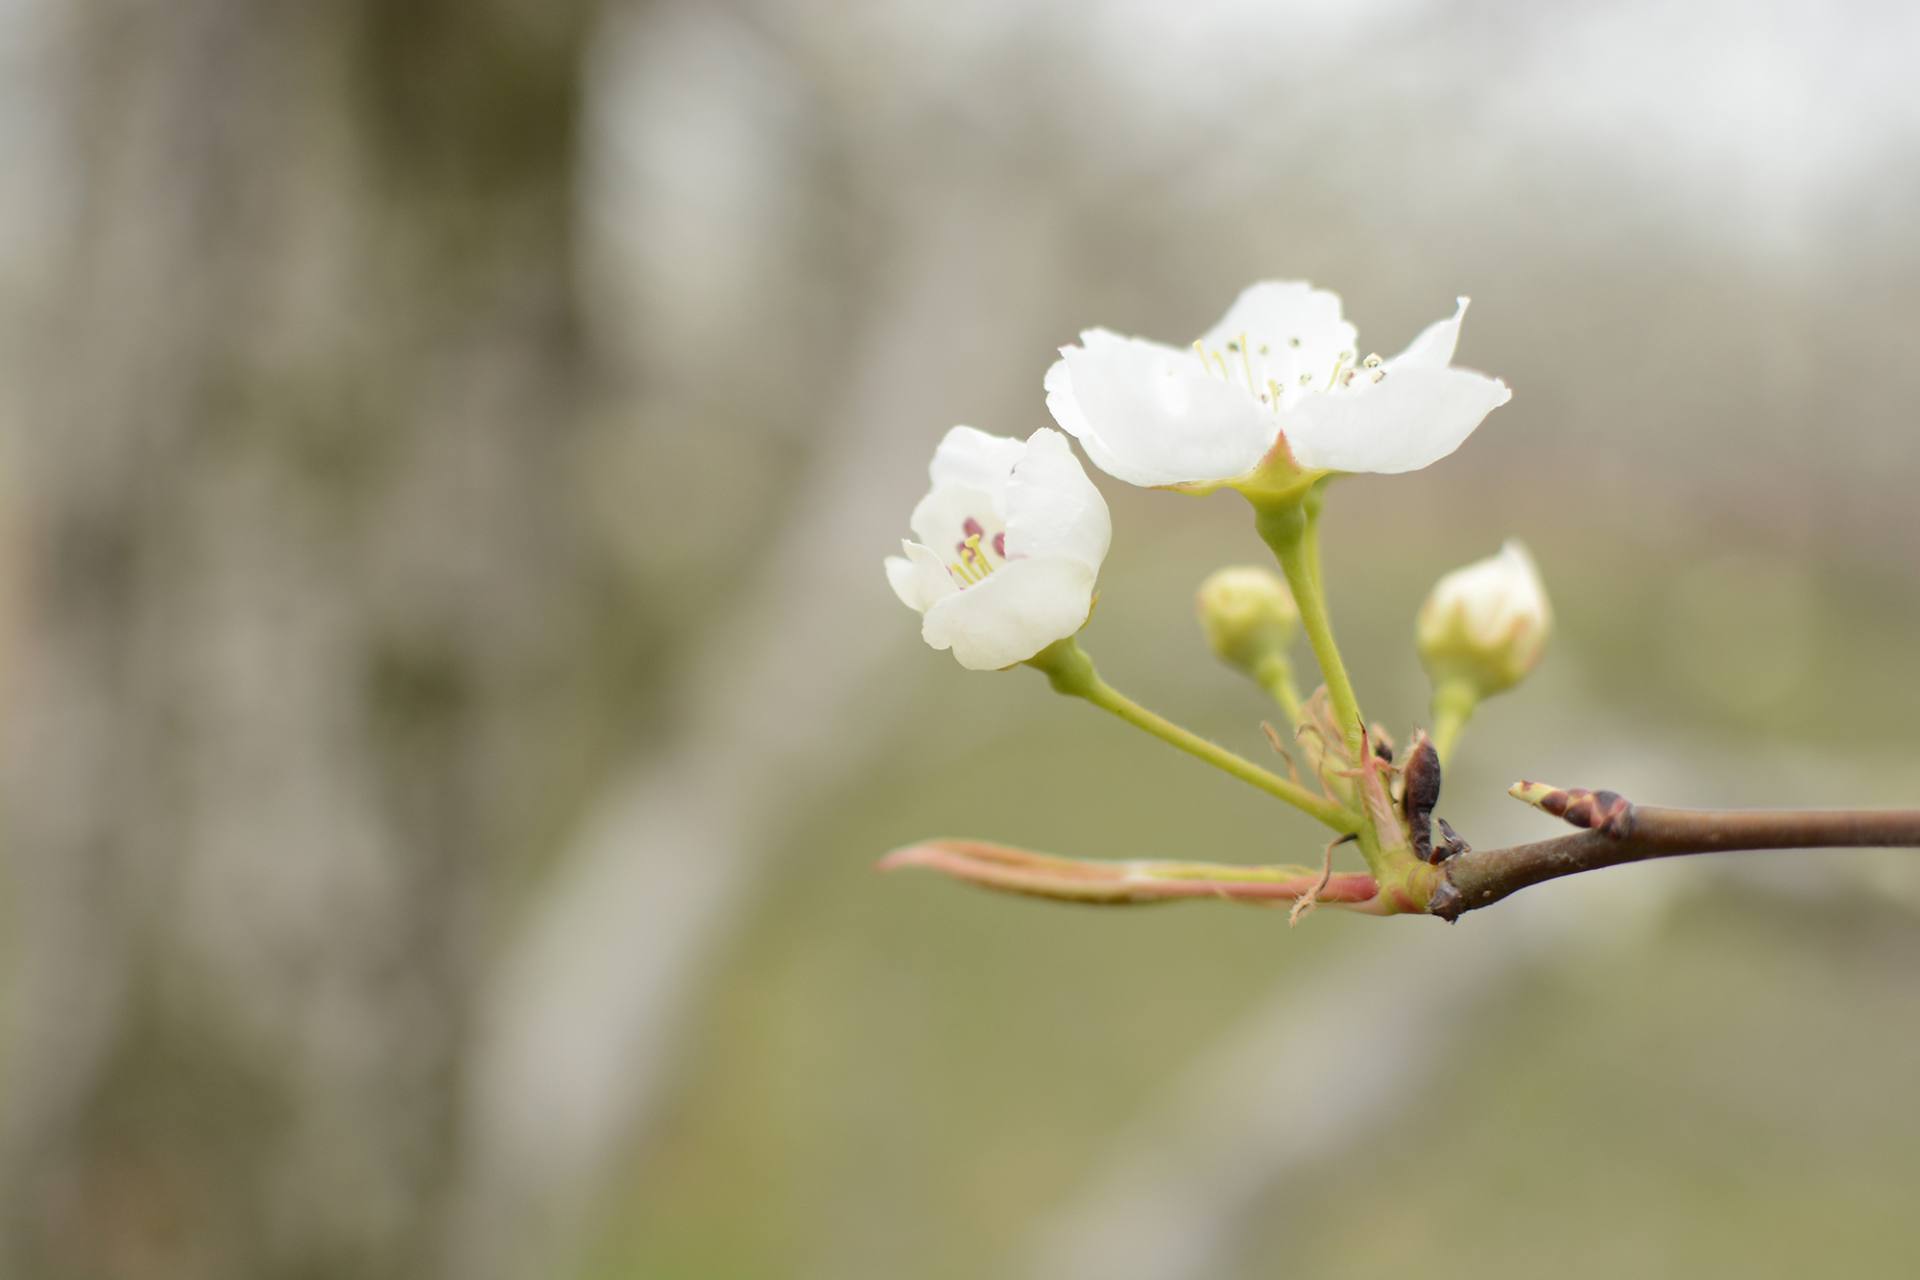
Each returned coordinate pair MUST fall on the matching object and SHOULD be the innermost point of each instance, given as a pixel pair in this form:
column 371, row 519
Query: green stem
column 1454, row 702
column 1071, row 672
column 1292, row 530
column 1275, row 675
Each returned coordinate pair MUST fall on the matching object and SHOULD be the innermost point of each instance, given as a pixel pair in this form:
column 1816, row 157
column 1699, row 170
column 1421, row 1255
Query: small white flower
column 1008, row 545
column 1278, row 381
column 1486, row 624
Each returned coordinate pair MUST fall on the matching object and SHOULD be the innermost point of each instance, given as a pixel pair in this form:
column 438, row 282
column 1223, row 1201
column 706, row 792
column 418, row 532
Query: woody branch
column 1618, row 831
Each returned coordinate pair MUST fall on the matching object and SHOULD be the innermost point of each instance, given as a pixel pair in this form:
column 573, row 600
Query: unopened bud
column 1484, row 626
column 1249, row 617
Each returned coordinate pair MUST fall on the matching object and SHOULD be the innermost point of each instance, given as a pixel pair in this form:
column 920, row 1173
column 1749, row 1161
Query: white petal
column 1065, row 407
column 1433, row 349
column 1412, row 418
column 1052, row 508
column 972, row 459
column 1495, row 596
column 1149, row 416
column 1300, row 326
column 939, row 517
column 1500, row 589
column 1020, row 609
column 1487, row 622
column 920, row 580
column 1061, row 402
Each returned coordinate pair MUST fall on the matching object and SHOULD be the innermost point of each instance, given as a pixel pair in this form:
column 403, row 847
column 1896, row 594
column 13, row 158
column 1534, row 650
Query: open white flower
column 1280, row 382
column 1007, row 547
column 1486, row 624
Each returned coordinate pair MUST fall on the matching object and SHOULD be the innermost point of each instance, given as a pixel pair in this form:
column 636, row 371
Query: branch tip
column 1607, row 812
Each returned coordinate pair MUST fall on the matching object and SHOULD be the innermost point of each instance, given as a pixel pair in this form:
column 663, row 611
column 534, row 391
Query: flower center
column 1271, row 374
column 980, row 553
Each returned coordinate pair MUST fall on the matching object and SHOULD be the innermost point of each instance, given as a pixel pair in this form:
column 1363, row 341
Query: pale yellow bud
column 1249, row 617
column 1483, row 627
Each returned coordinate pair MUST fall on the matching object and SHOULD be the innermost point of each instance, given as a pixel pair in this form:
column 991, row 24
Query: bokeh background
column 450, row 703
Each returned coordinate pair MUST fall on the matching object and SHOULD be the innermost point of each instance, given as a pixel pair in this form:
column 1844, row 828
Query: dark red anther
column 1000, row 544
column 969, row 546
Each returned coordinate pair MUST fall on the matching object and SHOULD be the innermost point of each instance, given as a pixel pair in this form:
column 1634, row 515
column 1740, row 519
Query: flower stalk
column 1276, row 677
column 1292, row 531
column 1070, row 671
column 1454, row 702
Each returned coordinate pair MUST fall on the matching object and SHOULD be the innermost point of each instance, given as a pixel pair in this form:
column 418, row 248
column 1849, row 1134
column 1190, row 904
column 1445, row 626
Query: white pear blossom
column 1486, row 624
column 1280, row 382
column 1006, row 547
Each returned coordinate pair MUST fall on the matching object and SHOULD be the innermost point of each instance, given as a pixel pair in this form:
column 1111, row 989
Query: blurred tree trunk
column 307, row 608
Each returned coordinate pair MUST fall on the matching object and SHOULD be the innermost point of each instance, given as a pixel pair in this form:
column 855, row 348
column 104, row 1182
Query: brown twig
column 1624, row 832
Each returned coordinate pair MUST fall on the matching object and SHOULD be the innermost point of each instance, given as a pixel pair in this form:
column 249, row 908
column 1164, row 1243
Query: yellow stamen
column 1338, row 365
column 982, row 566
column 1246, row 364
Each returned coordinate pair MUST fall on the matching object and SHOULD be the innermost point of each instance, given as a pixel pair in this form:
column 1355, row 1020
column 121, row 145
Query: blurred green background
column 452, row 703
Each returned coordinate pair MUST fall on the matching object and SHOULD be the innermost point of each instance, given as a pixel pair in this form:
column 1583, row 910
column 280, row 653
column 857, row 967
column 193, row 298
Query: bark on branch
column 1620, row 831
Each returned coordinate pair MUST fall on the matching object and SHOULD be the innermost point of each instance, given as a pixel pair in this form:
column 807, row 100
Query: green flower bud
column 1483, row 627
column 1250, row 619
